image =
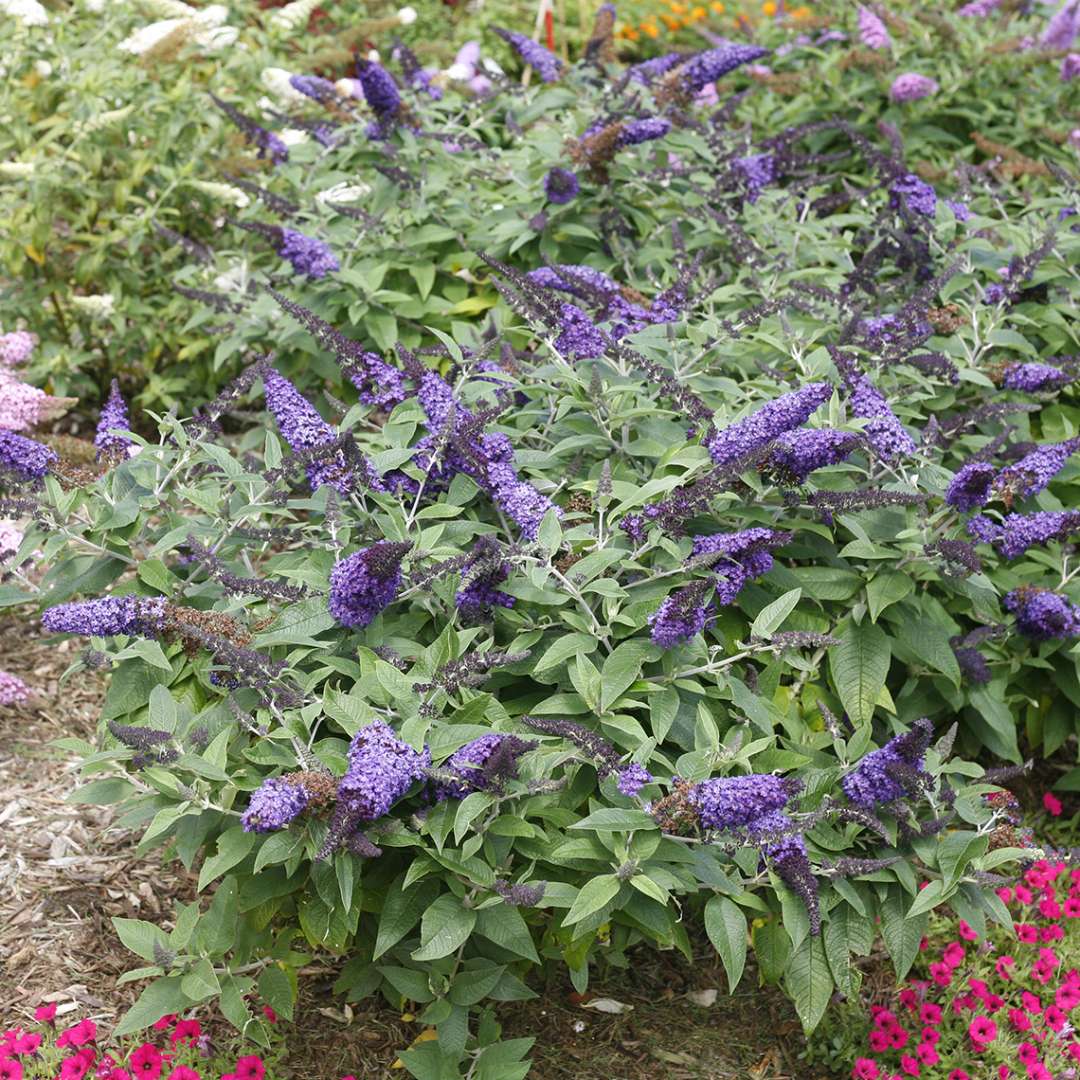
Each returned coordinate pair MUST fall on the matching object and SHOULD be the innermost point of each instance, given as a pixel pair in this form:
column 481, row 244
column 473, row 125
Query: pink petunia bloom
column 926, row 1054
column 908, row 998
column 959, row 1074
column 930, row 1013
column 982, row 1030
column 1029, row 935
column 953, row 956
column 85, row 1031
column 1052, row 933
column 1038, row 1071
column 146, row 1062
column 1023, row 895
column 1002, row 965
column 1027, row 1053
column 941, row 974
column 118, row 1074
column 45, row 1014
column 165, row 1022
column 27, row 1044
column 1067, row 997
column 1054, row 1017
column 1052, row 804
column 931, row 1035
column 269, row 1013
column 1049, row 908
column 186, row 1031
column 909, row 1066
column 10, row 1069
column 250, row 1068
column 966, row 932
column 74, row 1068
column 865, row 1069
column 1031, row 1003
column 182, row 1072
column 1019, row 1020
column 1072, row 908
column 898, row 1037
column 879, row 1041
column 1004, row 894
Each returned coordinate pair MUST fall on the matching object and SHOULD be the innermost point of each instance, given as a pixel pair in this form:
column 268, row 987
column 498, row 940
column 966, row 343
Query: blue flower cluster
column 742, row 556
column 896, row 771
column 114, row 416
column 136, row 616
column 756, row 431
column 307, row 254
column 365, row 583
column 1042, row 614
column 381, row 769
column 273, row 805
column 731, row 802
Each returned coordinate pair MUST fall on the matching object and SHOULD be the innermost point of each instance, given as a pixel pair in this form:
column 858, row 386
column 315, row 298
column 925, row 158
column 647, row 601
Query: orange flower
column 651, row 29
column 769, row 8
column 679, row 9
column 801, row 12
column 716, row 7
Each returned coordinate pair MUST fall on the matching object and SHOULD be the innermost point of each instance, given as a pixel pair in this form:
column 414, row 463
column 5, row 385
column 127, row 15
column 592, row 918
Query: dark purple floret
column 682, row 615
column 1034, row 470
column 578, row 335
column 24, row 459
column 378, row 382
column 796, row 454
column 365, row 583
column 783, row 845
column 883, row 430
column 893, row 772
column 1031, row 378
column 520, row 894
column 1041, row 614
column 269, row 144
column 648, row 71
column 772, row 420
column 481, row 765
column 970, row 487
column 114, row 415
column 732, row 802
column 561, row 186
column 481, row 575
column 307, row 254
column 959, row 210
column 315, row 87
column 136, row 616
column 634, row 132
column 632, row 778
column 712, row 64
column 381, row 769
column 972, row 664
column 1018, row 532
column 304, row 429
column 738, row 557
column 273, row 805
column 914, row 193
column 380, row 91
column 759, row 171
column 544, row 62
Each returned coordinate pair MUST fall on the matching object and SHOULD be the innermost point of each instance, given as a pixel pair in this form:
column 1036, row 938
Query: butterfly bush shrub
column 662, row 593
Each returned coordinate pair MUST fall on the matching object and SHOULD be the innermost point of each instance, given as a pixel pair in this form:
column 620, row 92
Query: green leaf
column 620, row 669
column 593, row 895
column 845, row 933
column 563, row 648
column 504, row 924
column 859, row 666
column 298, row 624
column 928, row 898
column 277, row 990
column 887, row 588
column 401, row 912
column 901, row 932
column 930, row 643
column 233, row 846
column 809, row 981
column 726, row 926
column 102, row 792
column 772, row 949
column 141, row 937
column 612, row 820
column 772, row 616
column 200, row 982
column 956, row 850
column 993, row 722
column 445, row 927
column 161, row 997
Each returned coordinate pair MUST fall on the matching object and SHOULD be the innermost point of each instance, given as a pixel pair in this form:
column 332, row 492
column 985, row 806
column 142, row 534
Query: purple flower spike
column 970, row 487
column 1031, row 378
column 732, row 802
column 135, row 616
column 273, row 805
column 114, row 415
column 1062, row 29
column 784, row 846
column 893, row 772
column 883, row 431
column 307, row 254
column 641, row 131
column 712, row 64
column 914, row 193
column 1018, row 532
column 741, row 557
column 681, row 616
column 561, row 186
column 380, row 91
column 365, row 583
column 1043, row 615
column 381, row 769
column 632, row 778
column 1070, row 67
column 544, row 62
column 315, row 87
column 482, row 573
column 772, row 420
column 578, row 334
column 979, row 9
column 872, row 32
column 24, row 459
column 648, row 71
column 304, row 429
column 481, row 765
column 912, row 87
column 1034, row 471
column 759, row 171
column 798, row 453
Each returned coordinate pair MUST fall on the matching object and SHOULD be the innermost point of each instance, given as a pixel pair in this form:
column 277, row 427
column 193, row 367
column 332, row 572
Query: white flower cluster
column 95, row 306
column 223, row 192
column 28, row 12
column 204, row 28
column 293, row 16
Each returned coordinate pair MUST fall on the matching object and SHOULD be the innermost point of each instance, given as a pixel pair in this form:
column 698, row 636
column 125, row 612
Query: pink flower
column 1002, row 965
column 1049, row 908
column 27, row 1044
column 1027, row 1053
column 10, row 1069
column 931, row 1035
column 250, row 1068
column 1005, row 894
column 982, row 1030
column 926, row 1054
column 16, row 347
column 1072, row 907
column 1023, row 895
column 953, row 956
column 80, row 1034
column 74, row 1068
column 966, row 932
column 1055, row 1018
column 941, row 974
column 46, row 1014
column 872, row 32
column 1029, row 935
column 1052, row 805
column 118, row 1074
column 165, row 1022
column 909, row 1065
column 930, row 1013
column 1019, row 1020
column 1031, row 1003
column 1067, row 997
column 1038, row 1071
column 269, row 1013
column 186, row 1031
column 1003, row 1072
column 908, row 998
column 879, row 1041
column 146, row 1062
column 865, row 1069
column 959, row 1074
column 898, row 1037
column 1052, row 933
column 182, row 1072
column 1073, row 1050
